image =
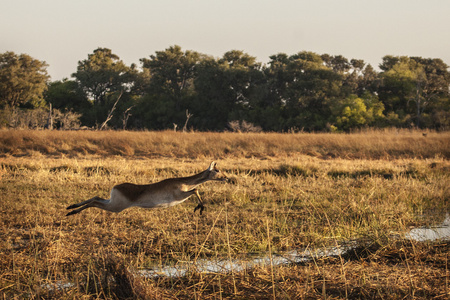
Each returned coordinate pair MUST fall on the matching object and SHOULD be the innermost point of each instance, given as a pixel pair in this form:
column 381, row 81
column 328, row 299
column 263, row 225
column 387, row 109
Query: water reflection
column 225, row 266
column 441, row 232
column 57, row 285
column 295, row 256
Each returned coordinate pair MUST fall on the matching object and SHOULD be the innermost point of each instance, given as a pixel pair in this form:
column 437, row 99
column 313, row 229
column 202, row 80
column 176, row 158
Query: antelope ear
column 211, row 166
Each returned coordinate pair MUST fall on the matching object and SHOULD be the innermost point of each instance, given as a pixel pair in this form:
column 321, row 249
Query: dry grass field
column 286, row 192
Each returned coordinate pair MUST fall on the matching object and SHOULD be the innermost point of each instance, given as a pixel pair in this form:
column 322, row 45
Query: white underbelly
column 153, row 202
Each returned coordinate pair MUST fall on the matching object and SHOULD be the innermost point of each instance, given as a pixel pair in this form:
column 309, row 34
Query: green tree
column 368, row 81
column 432, row 98
column 214, row 99
column 224, row 89
column 356, row 112
column 172, row 72
column 413, row 86
column 357, row 77
column 242, row 74
column 23, row 80
column 103, row 77
column 353, row 114
column 305, row 87
column 170, row 75
column 67, row 97
column 66, row 94
column 103, row 73
column 337, row 63
column 399, row 82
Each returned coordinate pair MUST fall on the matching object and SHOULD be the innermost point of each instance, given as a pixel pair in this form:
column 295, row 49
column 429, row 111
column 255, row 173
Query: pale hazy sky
column 62, row 32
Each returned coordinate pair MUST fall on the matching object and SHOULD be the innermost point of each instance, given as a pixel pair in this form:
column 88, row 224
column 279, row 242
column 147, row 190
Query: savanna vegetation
column 292, row 191
column 188, row 90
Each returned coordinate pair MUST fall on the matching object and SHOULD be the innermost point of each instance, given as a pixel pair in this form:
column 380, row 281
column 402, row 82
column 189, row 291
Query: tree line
column 175, row 88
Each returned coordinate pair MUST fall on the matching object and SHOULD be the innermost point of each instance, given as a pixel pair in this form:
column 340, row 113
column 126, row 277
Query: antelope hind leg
column 75, row 211
column 83, row 203
column 200, row 203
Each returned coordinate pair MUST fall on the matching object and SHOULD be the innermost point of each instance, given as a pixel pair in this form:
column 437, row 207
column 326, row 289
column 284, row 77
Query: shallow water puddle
column 226, row 265
column 423, row 234
column 57, row 285
column 181, row 269
column 296, row 256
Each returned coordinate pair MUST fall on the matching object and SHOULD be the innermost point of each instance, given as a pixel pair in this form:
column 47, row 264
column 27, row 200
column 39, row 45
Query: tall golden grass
column 370, row 144
column 287, row 191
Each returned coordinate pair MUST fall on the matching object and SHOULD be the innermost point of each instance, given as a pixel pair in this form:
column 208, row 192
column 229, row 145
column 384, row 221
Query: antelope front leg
column 200, row 202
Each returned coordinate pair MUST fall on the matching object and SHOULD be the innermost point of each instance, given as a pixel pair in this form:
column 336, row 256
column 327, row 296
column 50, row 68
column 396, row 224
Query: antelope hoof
column 201, row 207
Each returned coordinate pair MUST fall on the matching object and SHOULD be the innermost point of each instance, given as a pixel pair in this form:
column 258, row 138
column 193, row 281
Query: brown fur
column 165, row 193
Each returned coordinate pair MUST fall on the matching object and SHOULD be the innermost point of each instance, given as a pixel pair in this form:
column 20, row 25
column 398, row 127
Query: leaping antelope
column 166, row 193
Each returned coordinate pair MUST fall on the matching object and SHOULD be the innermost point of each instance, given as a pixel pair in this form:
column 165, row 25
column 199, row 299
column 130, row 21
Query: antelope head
column 212, row 173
